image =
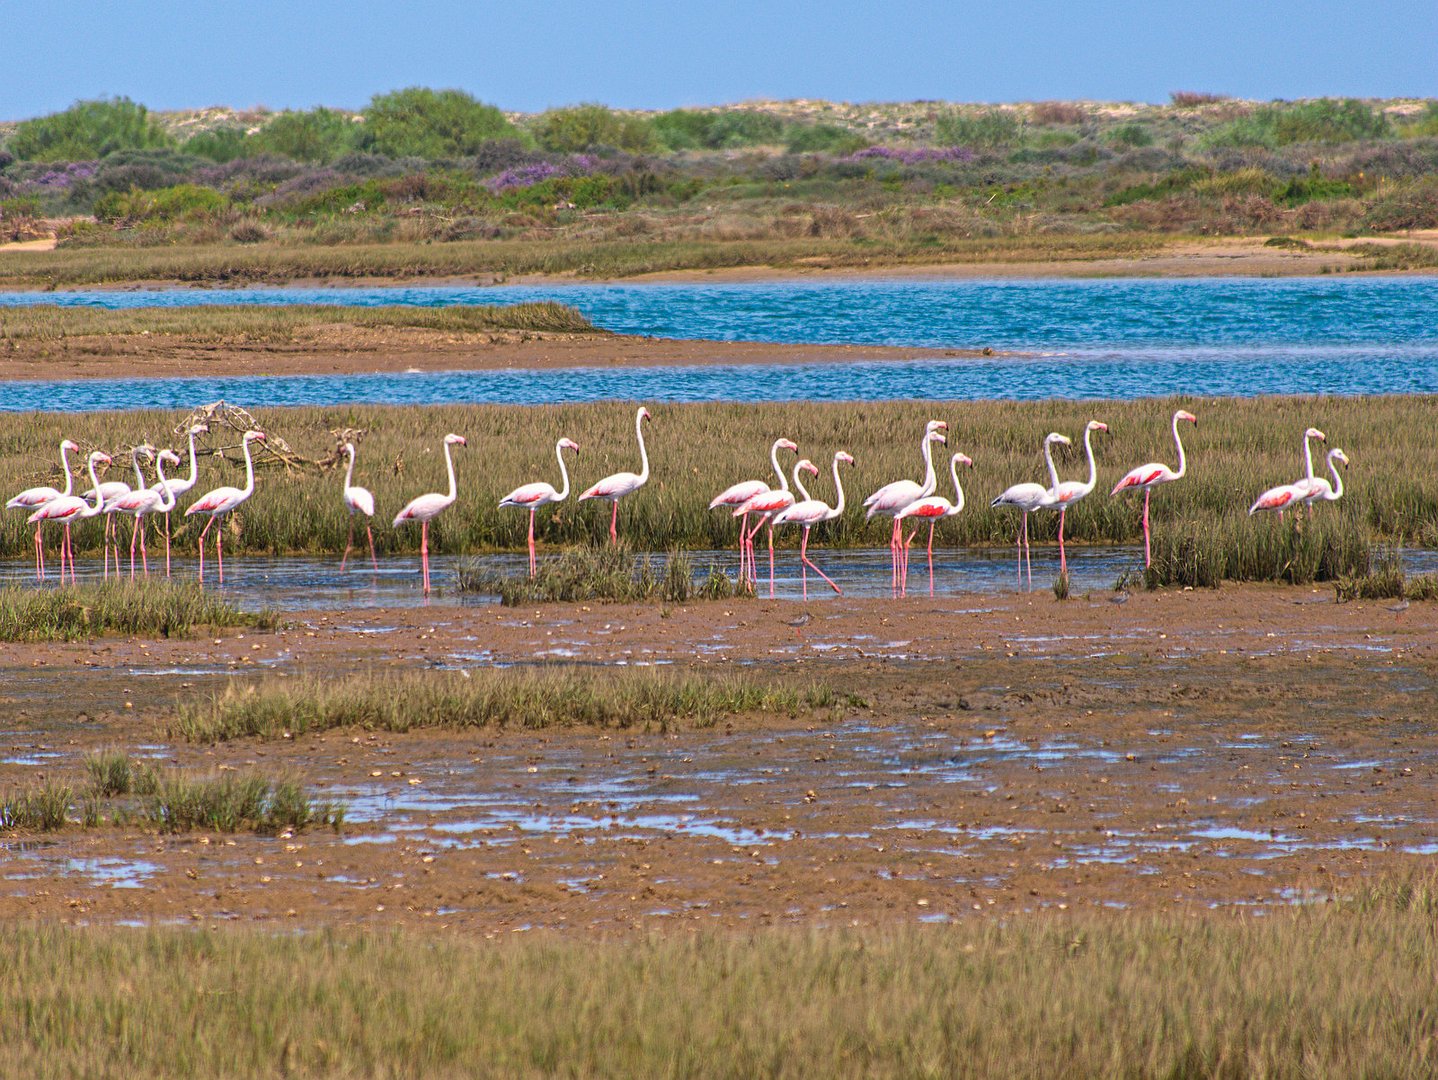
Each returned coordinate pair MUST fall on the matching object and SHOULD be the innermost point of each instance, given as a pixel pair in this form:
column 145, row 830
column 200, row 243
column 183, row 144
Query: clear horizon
column 168, row 55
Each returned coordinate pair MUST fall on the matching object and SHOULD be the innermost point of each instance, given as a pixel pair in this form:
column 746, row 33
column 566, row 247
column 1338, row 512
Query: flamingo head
column 805, row 465
column 1097, row 425
column 937, row 436
column 348, row 448
column 71, row 445
column 1183, row 414
column 144, row 449
column 643, row 413
column 1314, row 433
column 964, row 459
column 199, row 429
column 1338, row 455
column 936, row 425
column 1055, row 437
column 99, row 457
column 252, row 435
column 844, row 455
column 569, row 444
column 455, row 440
column 786, row 444
column 169, row 457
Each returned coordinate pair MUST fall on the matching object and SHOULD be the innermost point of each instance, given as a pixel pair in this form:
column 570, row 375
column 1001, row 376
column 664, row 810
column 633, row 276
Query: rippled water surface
column 1109, row 338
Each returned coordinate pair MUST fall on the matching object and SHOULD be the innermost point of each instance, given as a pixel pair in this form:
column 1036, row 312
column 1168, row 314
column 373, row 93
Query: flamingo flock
column 787, row 502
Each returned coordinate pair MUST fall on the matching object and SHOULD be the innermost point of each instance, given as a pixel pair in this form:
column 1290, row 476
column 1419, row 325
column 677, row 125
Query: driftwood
column 221, row 416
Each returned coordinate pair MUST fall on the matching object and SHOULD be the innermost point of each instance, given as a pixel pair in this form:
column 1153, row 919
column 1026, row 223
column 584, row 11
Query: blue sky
column 529, row 56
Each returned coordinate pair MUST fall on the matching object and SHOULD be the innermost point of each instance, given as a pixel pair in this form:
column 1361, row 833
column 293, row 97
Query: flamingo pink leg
column 144, row 556
column 39, row 556
column 220, row 552
column 1028, row 552
column 204, row 533
column 1063, row 561
column 369, row 534
column 1147, row 548
column 806, row 561
column 349, row 543
column 931, row 558
column 533, row 563
column 771, row 560
column 134, row 536
column 614, row 524
column 424, row 554
column 167, row 545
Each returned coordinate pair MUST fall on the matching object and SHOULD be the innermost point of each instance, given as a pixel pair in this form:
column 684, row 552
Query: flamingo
column 891, row 498
column 1064, row 495
column 68, row 508
column 424, row 508
column 1029, row 497
column 181, row 486
column 932, row 509
column 111, row 490
column 36, row 497
column 532, row 496
column 141, row 501
column 221, row 501
column 768, row 503
column 740, row 493
column 621, row 484
column 809, row 513
column 1320, row 488
column 359, row 501
column 1283, row 496
column 1147, row 477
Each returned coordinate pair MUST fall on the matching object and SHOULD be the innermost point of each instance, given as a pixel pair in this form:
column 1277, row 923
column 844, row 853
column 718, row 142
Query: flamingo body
column 933, row 509
column 424, row 508
column 1278, row 499
column 65, row 509
column 893, row 497
column 617, row 485
column 220, row 501
column 810, row 512
column 1147, row 477
column 358, row 500
column 532, row 496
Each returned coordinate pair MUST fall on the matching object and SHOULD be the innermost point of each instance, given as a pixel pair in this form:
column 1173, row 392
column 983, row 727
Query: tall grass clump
column 114, row 772
column 40, row 809
column 537, row 698
column 607, row 573
column 1293, row 551
column 229, row 802
column 154, row 608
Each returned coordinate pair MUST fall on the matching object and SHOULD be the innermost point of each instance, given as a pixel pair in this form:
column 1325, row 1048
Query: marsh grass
column 1240, row 447
column 39, row 809
column 1321, row 993
column 486, row 697
column 282, row 323
column 1297, row 552
column 229, row 802
column 113, row 772
column 1386, row 580
column 154, row 608
column 602, row 573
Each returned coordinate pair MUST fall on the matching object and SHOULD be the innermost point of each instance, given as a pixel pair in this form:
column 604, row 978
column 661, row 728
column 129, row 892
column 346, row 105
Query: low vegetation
column 152, row 609
column 603, row 573
column 1037, row 995
column 489, row 697
column 425, row 181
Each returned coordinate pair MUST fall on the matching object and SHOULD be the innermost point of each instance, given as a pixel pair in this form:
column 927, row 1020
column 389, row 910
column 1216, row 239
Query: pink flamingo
column 1283, row 496
column 933, row 508
column 113, row 489
column 181, row 486
column 141, row 501
column 532, row 496
column 768, row 503
column 68, row 508
column 1320, row 488
column 34, row 498
column 620, row 484
column 1064, row 495
column 891, row 498
column 1029, row 497
column 740, row 493
column 424, row 508
column 359, row 501
column 1307, row 481
column 1147, row 477
column 221, row 501
column 809, row 513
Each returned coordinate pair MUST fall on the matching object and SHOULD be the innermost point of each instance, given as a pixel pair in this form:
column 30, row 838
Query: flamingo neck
column 1092, row 468
column 164, row 486
column 563, row 471
column 958, row 488
column 799, row 484
column 839, row 487
column 249, row 472
column 65, row 461
column 643, row 453
column 1182, row 461
column 1053, row 470
column 350, row 468
column 930, row 480
column 95, row 488
column 449, row 464
column 1337, row 476
column 1308, row 457
column 140, row 484
column 194, row 466
column 774, row 460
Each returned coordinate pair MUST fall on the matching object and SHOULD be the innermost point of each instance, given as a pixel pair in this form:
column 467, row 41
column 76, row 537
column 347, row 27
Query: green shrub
column 419, row 122
column 317, row 136
column 1129, row 135
column 992, row 128
column 591, row 127
column 823, row 139
column 219, row 145
column 167, row 204
column 1324, row 121
column 87, row 130
column 690, row 129
column 1250, row 181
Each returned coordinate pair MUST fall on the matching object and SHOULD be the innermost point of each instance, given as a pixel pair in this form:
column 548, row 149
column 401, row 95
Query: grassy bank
column 1240, row 447
column 281, row 323
column 604, row 573
column 1337, row 992
column 150, row 609
column 487, row 697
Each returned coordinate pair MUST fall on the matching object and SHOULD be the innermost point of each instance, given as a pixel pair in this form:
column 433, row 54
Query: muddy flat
column 1249, row 746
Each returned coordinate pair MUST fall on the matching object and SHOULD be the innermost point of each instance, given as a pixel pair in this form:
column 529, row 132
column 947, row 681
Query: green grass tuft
column 602, row 573
column 155, row 608
column 229, row 802
column 42, row 809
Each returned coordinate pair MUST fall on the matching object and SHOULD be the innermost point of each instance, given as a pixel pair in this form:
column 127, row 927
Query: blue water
column 1108, row 338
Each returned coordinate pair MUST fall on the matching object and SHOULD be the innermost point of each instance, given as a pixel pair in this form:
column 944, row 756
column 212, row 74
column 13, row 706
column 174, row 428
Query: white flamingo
column 111, row 490
column 893, row 497
column 1029, row 497
column 532, row 496
column 1064, row 495
column 181, row 485
column 1284, row 496
column 358, row 500
column 620, row 484
column 1147, row 477
column 67, row 509
column 221, row 501
column 141, row 501
column 768, row 503
column 933, row 509
column 425, row 508
column 738, row 494
column 808, row 513
column 33, row 498
column 1320, row 488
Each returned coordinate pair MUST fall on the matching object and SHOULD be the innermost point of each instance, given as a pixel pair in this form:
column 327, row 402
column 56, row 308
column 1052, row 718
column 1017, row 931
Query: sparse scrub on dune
column 70, row 612
column 1117, row 994
column 542, row 697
